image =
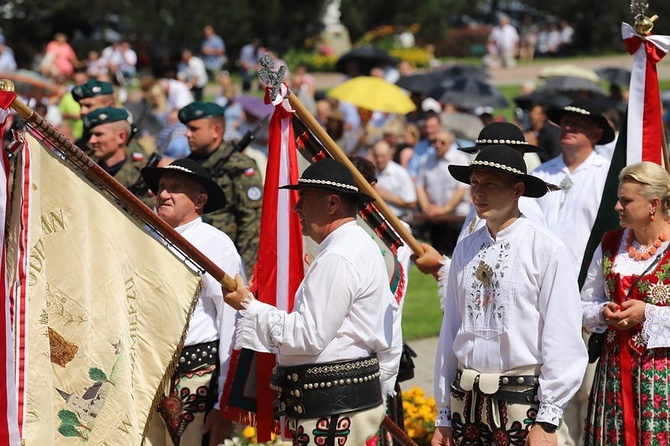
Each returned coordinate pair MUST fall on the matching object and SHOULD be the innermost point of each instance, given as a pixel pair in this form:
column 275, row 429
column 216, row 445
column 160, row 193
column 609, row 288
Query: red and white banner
column 9, row 423
column 645, row 126
column 279, row 269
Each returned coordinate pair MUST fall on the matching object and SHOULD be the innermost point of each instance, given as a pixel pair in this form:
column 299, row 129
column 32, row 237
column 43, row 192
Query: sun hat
column 503, row 159
column 215, row 196
column 330, row 174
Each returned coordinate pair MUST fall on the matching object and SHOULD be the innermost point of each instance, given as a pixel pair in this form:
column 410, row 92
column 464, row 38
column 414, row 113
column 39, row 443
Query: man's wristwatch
column 547, row 427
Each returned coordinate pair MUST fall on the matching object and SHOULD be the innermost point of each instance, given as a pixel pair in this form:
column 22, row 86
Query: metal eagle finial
column 271, row 77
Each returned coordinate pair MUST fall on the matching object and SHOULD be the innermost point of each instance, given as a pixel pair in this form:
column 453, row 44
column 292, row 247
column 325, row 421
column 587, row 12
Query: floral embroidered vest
column 652, row 288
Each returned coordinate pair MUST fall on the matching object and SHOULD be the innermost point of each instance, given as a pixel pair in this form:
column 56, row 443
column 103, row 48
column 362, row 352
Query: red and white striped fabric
column 9, row 422
column 279, row 269
column 645, row 126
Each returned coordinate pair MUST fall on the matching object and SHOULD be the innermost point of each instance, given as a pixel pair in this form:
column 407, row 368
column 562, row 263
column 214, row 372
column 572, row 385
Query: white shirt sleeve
column 656, row 327
column 564, row 356
column 314, row 321
column 446, row 363
column 593, row 295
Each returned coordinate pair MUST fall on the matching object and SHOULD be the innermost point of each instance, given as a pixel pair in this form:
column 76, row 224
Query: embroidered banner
column 9, row 427
column 101, row 307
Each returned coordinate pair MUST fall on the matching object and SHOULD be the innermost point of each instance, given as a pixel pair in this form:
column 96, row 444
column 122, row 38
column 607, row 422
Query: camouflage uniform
column 129, row 173
column 240, row 219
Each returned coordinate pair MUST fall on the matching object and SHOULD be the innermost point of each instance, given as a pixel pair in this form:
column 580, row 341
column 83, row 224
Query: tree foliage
column 170, row 25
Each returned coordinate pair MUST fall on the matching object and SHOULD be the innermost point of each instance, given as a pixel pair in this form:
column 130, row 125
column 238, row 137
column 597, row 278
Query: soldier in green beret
column 109, row 128
column 93, row 94
column 236, row 173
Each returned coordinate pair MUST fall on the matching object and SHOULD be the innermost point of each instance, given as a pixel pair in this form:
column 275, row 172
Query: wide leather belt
column 512, row 388
column 325, row 389
column 198, row 356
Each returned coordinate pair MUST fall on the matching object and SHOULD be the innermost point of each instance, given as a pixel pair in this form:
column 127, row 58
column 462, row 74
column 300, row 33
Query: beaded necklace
column 643, row 253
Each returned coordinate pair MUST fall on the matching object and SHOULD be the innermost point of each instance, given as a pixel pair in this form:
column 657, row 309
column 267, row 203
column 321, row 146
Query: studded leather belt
column 511, row 388
column 197, row 356
column 325, row 389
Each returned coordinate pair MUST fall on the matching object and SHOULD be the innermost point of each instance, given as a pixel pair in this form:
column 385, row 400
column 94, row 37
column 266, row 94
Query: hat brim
column 535, row 187
column 555, row 116
column 527, row 148
column 216, row 199
column 359, row 196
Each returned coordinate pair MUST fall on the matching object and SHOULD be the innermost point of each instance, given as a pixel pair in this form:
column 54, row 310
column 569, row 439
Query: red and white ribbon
column 645, row 125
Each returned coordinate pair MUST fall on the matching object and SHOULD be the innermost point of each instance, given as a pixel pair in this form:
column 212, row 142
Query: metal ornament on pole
column 274, row 79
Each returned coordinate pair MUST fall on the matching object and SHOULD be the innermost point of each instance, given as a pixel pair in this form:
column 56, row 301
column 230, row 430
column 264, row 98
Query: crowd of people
column 505, row 216
column 506, row 43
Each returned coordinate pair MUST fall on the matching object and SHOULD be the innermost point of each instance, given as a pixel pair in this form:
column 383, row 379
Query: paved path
column 424, row 364
column 523, row 73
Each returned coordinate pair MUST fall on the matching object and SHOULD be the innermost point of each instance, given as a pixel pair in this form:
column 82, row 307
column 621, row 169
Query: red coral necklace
column 643, row 253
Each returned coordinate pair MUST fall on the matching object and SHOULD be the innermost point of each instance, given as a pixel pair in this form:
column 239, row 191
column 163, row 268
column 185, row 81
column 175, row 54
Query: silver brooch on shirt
column 566, row 184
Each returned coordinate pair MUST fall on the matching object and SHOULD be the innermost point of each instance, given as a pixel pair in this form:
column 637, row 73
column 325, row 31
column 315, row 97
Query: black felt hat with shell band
column 502, row 159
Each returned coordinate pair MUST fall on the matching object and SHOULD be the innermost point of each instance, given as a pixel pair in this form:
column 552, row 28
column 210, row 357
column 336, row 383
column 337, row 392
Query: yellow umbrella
column 373, row 93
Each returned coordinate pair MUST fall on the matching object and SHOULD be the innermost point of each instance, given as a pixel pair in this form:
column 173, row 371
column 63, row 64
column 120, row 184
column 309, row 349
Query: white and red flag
column 645, row 127
column 277, row 274
column 9, row 424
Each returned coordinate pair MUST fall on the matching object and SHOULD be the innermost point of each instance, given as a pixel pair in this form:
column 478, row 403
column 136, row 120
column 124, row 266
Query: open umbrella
column 255, row 106
column 547, row 98
column 573, row 87
column 469, row 93
column 361, row 60
column 373, row 93
column 615, row 75
column 30, row 84
column 568, row 70
column 424, row 83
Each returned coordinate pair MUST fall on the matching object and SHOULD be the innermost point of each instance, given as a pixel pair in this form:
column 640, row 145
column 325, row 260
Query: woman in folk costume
column 626, row 297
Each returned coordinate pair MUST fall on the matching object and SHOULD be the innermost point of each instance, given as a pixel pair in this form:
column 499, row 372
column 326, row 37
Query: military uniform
column 129, row 172
column 240, row 218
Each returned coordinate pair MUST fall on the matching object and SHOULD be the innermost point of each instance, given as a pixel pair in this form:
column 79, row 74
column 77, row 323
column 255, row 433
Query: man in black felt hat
column 236, row 173
column 571, row 212
column 334, row 355
column 510, row 353
column 184, row 192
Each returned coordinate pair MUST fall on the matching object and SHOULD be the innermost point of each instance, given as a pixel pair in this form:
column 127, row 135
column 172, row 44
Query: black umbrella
column 461, row 70
column 359, row 61
column 574, row 87
column 469, row 93
column 547, row 98
column 615, row 75
column 422, row 83
column 425, row 83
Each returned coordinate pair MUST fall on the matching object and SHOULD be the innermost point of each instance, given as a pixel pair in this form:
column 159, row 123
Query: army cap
column 105, row 115
column 91, row 88
column 199, row 110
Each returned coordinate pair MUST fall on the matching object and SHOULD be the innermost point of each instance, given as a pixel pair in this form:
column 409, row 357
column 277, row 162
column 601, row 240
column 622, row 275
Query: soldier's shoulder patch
column 249, row 172
column 138, row 156
column 254, row 193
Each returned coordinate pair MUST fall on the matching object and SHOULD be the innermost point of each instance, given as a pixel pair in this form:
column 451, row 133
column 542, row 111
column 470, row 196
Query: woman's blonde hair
column 655, row 181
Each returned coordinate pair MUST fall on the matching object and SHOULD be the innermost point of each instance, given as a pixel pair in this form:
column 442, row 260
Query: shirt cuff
column 548, row 413
column 443, row 417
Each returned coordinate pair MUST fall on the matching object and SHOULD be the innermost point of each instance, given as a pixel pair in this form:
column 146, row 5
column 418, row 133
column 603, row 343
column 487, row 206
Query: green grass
column 422, row 315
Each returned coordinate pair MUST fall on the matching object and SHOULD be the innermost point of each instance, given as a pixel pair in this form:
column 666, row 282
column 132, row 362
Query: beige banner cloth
column 106, row 309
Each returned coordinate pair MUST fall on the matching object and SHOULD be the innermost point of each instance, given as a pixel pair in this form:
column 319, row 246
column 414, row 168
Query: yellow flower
column 249, row 432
